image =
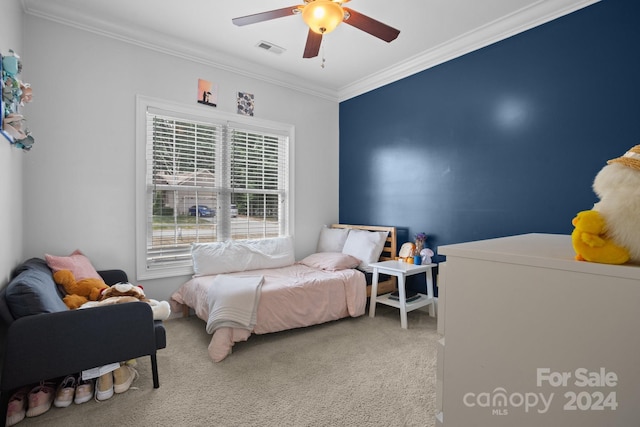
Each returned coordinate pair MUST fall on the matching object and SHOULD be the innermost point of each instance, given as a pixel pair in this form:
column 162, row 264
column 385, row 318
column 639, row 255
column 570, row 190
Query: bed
column 283, row 294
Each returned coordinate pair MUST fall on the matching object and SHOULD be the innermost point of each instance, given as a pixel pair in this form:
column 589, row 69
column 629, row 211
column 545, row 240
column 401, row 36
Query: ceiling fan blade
column 371, row 26
column 312, row 47
column 264, row 16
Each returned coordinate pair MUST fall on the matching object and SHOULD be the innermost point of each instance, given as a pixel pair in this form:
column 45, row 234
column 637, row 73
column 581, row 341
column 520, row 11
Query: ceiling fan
column 322, row 17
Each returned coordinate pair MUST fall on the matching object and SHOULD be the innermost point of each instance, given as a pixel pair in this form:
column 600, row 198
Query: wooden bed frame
column 389, row 252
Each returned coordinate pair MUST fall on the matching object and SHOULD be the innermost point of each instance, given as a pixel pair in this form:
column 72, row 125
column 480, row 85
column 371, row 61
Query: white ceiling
column 431, row 32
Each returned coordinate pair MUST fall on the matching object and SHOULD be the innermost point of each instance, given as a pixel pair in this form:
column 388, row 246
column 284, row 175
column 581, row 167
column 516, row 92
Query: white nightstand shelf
column 420, row 302
column 401, row 270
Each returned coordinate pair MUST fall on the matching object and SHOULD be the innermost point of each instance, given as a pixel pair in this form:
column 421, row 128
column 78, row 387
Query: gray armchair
column 49, row 345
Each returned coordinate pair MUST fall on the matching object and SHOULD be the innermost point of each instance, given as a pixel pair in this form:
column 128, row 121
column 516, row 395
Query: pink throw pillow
column 79, row 265
column 331, row 261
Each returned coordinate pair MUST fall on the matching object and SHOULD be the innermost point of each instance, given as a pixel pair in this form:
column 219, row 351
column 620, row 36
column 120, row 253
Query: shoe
column 123, row 377
column 65, row 393
column 17, row 407
column 40, row 399
column 104, row 386
column 84, row 391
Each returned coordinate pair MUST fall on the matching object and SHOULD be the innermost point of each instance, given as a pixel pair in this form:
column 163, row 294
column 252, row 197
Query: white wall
column 11, row 183
column 79, row 177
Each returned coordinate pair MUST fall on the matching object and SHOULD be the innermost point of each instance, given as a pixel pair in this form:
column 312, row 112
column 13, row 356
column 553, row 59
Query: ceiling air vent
column 270, row 47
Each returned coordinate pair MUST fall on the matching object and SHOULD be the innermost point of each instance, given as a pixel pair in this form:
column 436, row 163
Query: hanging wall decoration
column 207, row 93
column 245, row 103
column 15, row 94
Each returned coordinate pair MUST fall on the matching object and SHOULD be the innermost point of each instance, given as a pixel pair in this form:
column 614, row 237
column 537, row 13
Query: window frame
column 204, row 114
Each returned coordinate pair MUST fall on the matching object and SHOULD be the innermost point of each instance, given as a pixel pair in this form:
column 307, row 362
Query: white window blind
column 207, row 180
column 258, row 182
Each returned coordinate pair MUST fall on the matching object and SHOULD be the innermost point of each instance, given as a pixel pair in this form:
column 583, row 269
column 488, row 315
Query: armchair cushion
column 33, row 291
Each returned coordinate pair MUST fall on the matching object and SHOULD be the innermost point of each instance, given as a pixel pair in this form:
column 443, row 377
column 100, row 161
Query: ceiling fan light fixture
column 322, row 16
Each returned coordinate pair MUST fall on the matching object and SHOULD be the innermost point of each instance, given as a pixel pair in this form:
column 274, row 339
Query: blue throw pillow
column 32, row 264
column 33, row 291
column 40, row 265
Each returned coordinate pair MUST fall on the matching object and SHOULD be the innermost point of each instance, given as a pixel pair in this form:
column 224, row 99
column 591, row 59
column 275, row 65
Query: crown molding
column 524, row 19
column 168, row 46
column 535, row 15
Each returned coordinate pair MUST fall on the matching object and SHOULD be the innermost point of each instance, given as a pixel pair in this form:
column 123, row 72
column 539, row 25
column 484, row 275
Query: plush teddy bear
column 617, row 185
column 124, row 291
column 127, row 292
column 78, row 292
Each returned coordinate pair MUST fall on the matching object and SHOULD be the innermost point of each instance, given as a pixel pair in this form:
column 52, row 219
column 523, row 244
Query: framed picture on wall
column 245, row 103
column 207, row 93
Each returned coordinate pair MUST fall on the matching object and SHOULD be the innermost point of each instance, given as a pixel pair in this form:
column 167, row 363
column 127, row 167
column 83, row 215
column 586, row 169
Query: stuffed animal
column 590, row 242
column 127, row 292
column 406, row 250
column 617, row 185
column 124, row 290
column 78, row 292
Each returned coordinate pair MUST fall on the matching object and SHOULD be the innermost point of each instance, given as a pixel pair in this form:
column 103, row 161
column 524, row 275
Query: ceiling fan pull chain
column 323, row 60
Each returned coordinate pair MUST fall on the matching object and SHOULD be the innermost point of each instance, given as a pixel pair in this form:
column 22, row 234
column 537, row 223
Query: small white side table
column 401, row 270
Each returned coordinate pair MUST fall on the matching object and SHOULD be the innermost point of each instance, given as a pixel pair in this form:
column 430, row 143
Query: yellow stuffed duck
column 609, row 233
column 590, row 242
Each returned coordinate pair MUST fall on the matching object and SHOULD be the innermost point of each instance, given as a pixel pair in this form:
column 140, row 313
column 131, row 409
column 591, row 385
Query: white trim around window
column 206, row 175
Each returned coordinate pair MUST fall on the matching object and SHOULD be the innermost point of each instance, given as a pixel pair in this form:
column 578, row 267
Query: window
column 206, row 176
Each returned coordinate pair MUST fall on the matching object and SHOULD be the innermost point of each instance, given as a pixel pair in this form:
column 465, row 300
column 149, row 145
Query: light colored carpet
column 351, row 372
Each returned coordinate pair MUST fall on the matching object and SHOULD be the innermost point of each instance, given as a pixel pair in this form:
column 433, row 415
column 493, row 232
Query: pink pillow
column 331, row 261
column 79, row 265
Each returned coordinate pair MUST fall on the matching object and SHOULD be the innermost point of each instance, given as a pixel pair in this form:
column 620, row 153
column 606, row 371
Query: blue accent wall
column 502, row 141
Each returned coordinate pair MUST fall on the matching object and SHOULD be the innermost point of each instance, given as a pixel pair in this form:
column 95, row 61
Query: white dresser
column 531, row 337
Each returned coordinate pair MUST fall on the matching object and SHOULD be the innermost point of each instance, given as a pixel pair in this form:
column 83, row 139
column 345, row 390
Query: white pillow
column 366, row 246
column 332, row 239
column 241, row 255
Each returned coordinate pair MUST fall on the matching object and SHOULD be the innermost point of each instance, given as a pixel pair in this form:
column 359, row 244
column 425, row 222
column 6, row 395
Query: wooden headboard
column 389, row 252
